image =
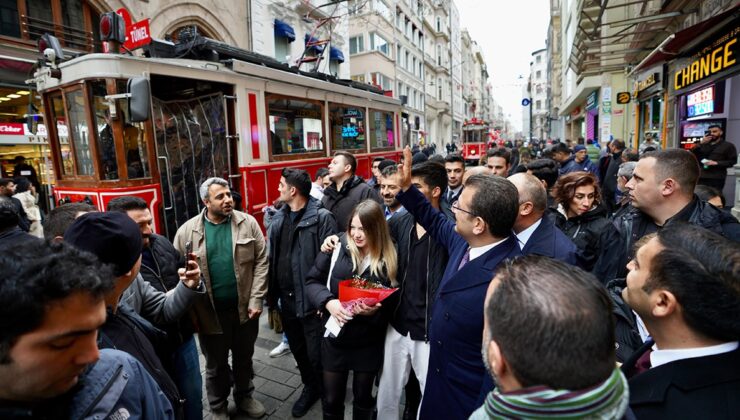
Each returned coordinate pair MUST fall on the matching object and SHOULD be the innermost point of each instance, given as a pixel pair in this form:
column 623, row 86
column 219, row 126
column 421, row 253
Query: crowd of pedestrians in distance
column 559, row 281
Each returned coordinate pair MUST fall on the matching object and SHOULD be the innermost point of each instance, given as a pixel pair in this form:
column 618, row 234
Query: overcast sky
column 508, row 31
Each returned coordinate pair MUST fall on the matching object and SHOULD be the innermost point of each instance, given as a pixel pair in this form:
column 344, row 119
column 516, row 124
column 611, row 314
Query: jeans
column 188, row 379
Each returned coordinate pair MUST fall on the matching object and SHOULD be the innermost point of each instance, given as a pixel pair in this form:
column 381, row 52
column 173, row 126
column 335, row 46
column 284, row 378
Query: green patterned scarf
column 607, row 400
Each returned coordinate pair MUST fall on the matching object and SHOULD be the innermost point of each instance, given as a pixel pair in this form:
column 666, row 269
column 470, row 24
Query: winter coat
column 316, row 225
column 627, row 336
column 401, row 227
column 33, row 214
column 116, row 385
column 163, row 277
column 158, row 307
column 634, row 224
column 571, row 165
column 549, row 241
column 341, row 203
column 362, row 330
column 722, row 152
column 587, row 231
column 250, row 266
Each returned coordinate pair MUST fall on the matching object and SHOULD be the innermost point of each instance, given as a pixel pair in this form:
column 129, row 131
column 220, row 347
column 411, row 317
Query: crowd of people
column 562, row 284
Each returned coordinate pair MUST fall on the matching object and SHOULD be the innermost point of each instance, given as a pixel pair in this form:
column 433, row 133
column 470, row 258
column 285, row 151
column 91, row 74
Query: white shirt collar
column 524, row 235
column 480, row 250
column 455, row 191
column 661, row 357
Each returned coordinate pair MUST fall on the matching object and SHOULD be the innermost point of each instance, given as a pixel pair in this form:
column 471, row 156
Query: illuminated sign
column 648, row 82
column 700, row 102
column 719, row 56
column 349, row 131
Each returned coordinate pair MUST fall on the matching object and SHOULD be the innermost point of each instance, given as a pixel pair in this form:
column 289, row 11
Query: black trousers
column 304, row 337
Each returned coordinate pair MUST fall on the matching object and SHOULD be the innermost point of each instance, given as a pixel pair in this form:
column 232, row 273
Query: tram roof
column 99, row 65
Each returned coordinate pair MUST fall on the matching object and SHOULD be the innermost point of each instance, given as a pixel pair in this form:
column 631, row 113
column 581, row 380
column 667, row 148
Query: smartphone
column 188, row 253
column 706, row 133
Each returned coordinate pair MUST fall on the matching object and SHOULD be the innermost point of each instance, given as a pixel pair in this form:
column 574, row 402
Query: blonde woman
column 366, row 250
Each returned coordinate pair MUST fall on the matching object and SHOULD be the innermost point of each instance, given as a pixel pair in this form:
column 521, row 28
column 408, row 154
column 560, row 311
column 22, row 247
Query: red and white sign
column 11, row 129
column 137, row 33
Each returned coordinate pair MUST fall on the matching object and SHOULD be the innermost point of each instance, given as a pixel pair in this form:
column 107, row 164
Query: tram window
column 79, row 130
column 135, row 147
column 382, row 133
column 347, row 128
column 65, row 150
column 295, row 125
column 106, row 142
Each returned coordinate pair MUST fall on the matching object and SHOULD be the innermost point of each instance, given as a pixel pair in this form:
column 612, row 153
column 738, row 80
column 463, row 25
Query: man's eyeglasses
column 455, row 207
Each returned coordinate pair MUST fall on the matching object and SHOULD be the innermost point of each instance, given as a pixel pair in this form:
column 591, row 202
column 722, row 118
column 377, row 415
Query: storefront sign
column 700, row 102
column 592, row 100
column 11, row 129
column 648, row 82
column 623, row 98
column 718, row 56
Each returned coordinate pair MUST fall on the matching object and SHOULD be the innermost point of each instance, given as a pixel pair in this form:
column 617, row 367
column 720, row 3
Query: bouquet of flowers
column 357, row 290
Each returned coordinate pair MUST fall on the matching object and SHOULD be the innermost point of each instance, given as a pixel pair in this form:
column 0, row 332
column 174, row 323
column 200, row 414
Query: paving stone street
column 277, row 381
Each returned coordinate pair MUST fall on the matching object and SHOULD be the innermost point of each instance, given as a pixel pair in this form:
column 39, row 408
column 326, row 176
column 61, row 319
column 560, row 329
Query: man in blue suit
column 536, row 234
column 480, row 241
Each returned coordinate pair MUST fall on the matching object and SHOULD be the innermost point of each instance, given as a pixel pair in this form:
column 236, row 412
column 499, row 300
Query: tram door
column 192, row 143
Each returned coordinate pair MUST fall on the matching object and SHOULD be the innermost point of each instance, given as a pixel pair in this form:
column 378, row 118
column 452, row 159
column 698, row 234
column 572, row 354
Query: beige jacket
column 250, row 266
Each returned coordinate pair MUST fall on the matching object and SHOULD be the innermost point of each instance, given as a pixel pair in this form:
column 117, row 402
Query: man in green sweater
column 231, row 252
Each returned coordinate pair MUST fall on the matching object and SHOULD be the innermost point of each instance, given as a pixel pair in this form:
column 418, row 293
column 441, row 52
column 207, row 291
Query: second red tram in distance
column 476, row 134
column 236, row 115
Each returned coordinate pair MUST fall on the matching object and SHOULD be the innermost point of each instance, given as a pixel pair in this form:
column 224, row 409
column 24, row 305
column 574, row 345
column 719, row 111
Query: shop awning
column 314, row 44
column 685, row 40
column 335, row 54
column 284, row 30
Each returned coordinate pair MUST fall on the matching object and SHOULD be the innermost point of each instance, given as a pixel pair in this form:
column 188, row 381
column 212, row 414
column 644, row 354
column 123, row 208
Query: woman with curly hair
column 580, row 214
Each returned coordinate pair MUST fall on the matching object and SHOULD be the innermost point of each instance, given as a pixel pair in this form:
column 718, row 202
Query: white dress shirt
column 524, row 235
column 480, row 250
column 661, row 357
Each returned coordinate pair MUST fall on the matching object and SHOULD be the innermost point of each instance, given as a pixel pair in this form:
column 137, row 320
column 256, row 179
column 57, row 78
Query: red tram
column 237, row 115
column 476, row 134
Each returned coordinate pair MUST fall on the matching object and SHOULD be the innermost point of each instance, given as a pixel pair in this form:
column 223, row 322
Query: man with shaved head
column 537, row 235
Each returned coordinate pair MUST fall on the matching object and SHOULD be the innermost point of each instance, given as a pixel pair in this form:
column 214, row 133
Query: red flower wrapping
column 354, row 291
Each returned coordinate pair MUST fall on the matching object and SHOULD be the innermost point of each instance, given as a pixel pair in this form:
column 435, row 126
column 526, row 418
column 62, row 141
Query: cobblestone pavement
column 277, row 381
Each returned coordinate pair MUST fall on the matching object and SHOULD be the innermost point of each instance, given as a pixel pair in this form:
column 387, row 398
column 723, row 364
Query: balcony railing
column 72, row 38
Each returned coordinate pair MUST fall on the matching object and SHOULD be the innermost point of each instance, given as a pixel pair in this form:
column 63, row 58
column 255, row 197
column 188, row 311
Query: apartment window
column 356, row 44
column 413, row 67
column 358, row 78
column 538, row 105
column 355, row 6
column 539, row 59
column 421, row 69
column 282, row 49
column 439, row 55
column 439, row 24
column 439, row 89
column 399, row 19
column 538, row 75
column 378, row 43
column 382, row 81
column 399, row 56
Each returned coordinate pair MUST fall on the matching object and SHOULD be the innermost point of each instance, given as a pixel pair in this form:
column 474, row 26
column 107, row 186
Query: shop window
column 65, row 149
column 382, row 134
column 347, row 127
column 103, row 125
column 295, row 125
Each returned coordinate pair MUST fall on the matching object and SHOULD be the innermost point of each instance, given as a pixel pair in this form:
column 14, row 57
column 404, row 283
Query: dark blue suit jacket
column 455, row 378
column 549, row 241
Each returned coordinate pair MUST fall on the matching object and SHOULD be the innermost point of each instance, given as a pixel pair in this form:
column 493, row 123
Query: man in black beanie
column 116, row 240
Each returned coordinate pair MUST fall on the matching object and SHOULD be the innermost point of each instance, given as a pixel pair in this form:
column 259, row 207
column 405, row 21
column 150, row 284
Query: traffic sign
column 526, row 102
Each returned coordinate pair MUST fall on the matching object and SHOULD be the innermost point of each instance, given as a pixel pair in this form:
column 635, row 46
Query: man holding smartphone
column 715, row 155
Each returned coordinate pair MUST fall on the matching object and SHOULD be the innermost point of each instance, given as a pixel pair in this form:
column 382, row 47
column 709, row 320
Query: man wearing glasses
column 480, row 240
